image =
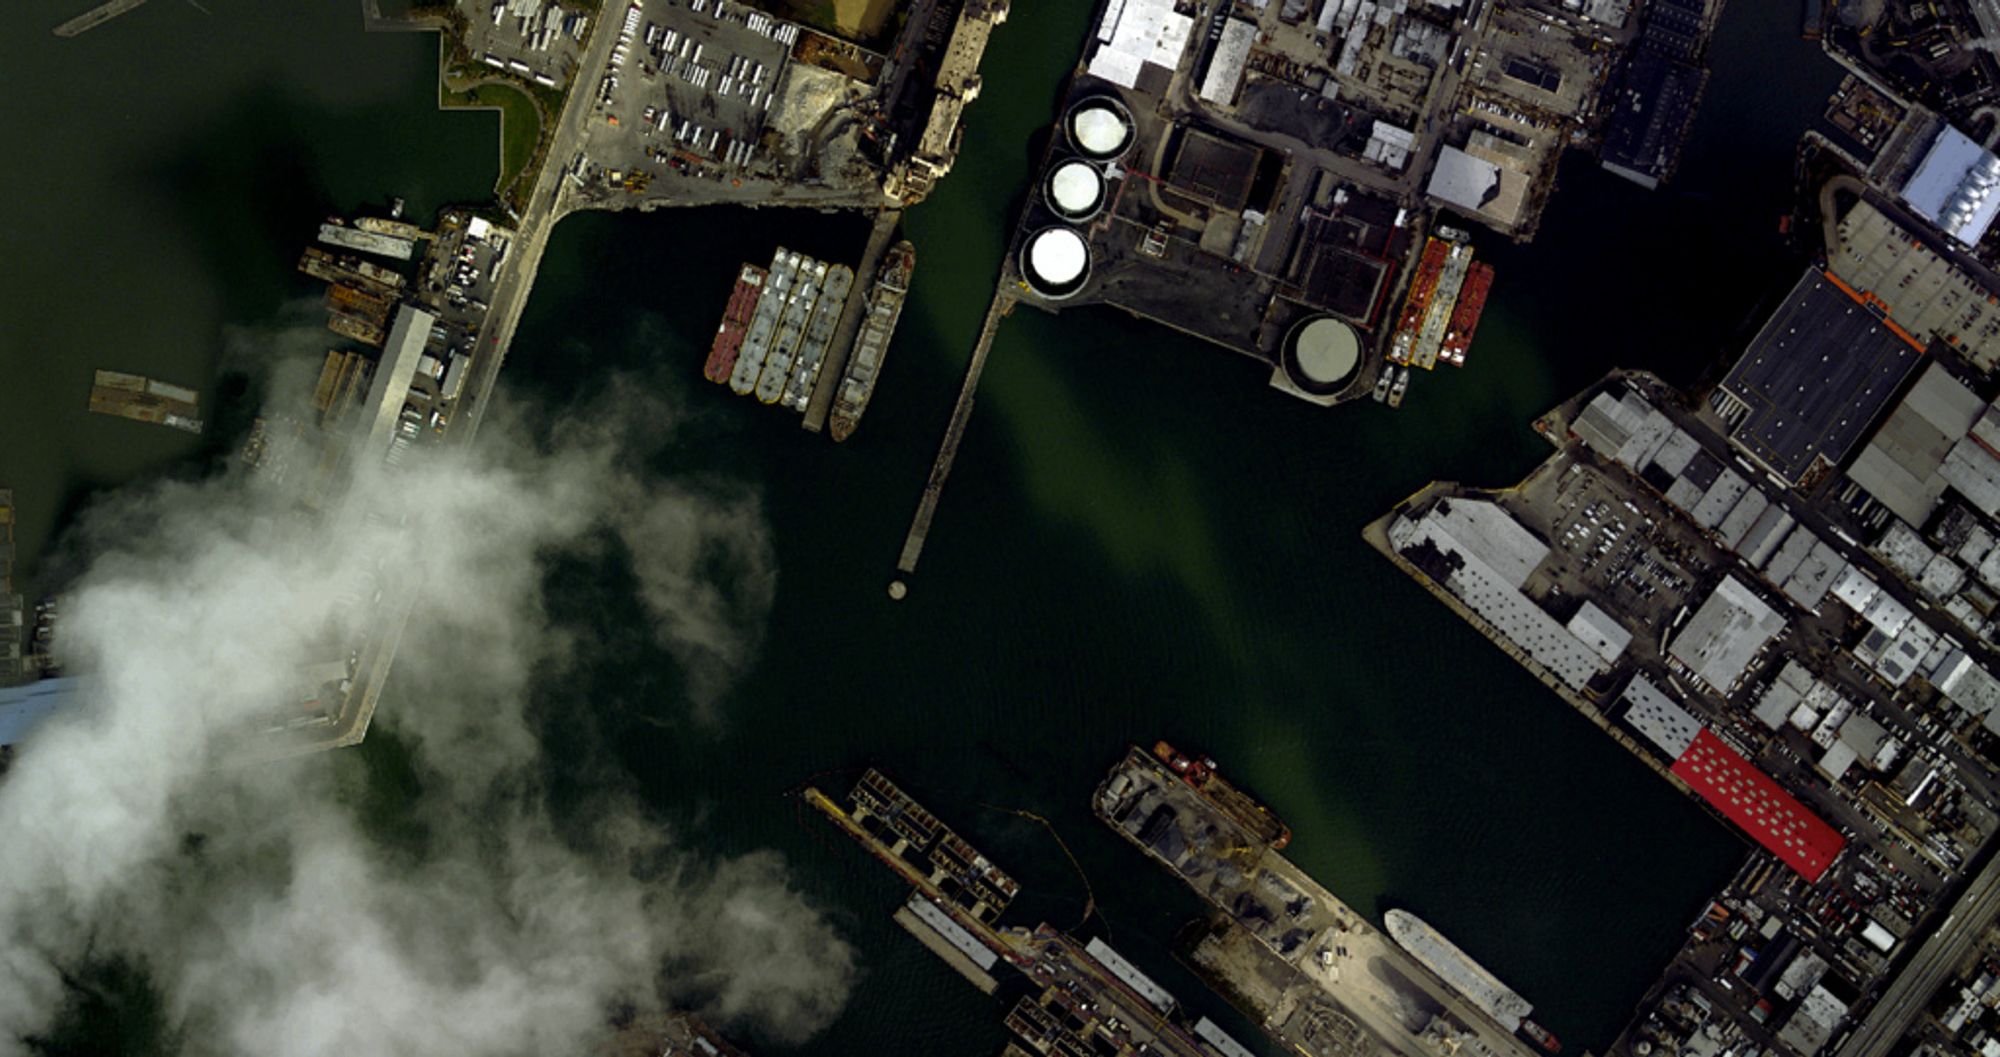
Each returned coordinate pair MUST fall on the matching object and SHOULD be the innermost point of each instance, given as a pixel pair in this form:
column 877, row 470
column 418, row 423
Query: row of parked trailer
column 783, row 32
column 518, row 68
column 619, row 52
column 539, row 26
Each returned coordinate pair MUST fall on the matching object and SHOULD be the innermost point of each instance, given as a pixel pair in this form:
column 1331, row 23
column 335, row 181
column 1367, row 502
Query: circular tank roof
column 1058, row 256
column 1326, row 350
column 1100, row 128
column 1076, row 189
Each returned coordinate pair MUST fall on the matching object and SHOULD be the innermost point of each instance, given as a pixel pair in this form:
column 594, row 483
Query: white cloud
column 483, row 927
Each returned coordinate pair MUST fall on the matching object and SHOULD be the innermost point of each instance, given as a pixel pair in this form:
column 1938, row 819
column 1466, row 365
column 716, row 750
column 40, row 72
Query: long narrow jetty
column 835, row 365
column 96, row 17
column 920, row 526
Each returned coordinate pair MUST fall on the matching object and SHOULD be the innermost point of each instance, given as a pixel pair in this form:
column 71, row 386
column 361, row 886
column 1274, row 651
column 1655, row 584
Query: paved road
column 510, row 296
column 546, row 205
column 1928, row 969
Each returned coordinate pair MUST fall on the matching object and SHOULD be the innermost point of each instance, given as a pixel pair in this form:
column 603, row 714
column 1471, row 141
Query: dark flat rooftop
column 1654, row 102
column 1821, row 370
column 1214, row 169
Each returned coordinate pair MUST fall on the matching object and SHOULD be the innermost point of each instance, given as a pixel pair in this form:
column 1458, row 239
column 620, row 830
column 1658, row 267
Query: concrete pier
column 920, row 526
column 96, row 17
column 849, row 326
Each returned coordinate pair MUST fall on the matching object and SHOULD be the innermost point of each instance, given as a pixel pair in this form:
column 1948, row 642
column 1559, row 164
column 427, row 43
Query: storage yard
column 712, row 100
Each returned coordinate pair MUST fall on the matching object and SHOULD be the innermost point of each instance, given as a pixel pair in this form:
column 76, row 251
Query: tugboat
column 1541, row 1036
column 1199, row 773
column 1399, row 386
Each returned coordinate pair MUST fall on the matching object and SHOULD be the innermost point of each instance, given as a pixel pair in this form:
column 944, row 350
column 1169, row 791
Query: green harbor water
column 1140, row 539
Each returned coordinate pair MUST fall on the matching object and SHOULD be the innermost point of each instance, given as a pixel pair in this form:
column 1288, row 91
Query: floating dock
column 1087, row 999
column 367, row 242
column 958, row 891
column 144, row 400
column 326, row 267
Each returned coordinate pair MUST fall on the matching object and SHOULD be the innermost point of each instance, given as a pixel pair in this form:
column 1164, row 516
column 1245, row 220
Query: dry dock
column 920, row 526
column 831, row 371
column 1319, row 977
column 970, row 891
column 1086, row 999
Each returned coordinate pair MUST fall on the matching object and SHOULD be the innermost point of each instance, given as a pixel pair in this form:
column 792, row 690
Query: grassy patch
column 520, row 125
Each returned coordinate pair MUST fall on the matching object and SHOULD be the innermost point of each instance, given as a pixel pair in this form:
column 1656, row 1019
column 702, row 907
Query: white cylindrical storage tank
column 1100, row 127
column 1322, row 355
column 1074, row 190
column 1055, row 261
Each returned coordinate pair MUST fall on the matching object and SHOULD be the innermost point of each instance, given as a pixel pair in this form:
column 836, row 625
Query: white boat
column 1457, row 969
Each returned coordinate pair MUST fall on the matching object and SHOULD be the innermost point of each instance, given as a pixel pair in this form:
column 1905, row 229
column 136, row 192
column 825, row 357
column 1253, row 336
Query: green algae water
column 1139, row 539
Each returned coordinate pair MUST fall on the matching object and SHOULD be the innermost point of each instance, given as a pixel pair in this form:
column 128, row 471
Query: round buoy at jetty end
column 898, row 590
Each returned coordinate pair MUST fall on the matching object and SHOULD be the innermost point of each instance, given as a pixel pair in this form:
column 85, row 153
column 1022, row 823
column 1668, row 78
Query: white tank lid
column 1058, row 256
column 1328, row 350
column 1100, row 129
column 1076, row 187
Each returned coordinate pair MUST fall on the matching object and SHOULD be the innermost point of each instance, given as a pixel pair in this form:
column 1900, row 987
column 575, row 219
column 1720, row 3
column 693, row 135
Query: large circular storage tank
column 1055, row 261
column 1075, row 190
column 1100, row 128
column 1322, row 355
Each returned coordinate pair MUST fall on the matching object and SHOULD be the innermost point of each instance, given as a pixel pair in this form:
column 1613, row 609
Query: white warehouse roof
column 1726, row 634
column 1600, row 631
column 1956, row 186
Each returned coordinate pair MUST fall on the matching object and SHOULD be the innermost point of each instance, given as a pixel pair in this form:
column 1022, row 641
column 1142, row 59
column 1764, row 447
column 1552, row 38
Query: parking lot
column 691, row 82
column 536, row 40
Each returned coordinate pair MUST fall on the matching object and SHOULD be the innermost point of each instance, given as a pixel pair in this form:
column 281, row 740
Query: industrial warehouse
column 1781, row 597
